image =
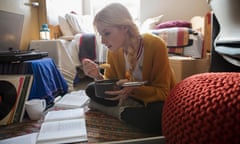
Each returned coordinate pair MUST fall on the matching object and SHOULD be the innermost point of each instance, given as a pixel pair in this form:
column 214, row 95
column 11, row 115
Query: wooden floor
column 82, row 84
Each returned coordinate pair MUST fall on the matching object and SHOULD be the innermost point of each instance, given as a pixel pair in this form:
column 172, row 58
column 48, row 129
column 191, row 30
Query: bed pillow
column 86, row 23
column 64, row 26
column 72, row 20
column 198, row 24
column 80, row 23
column 174, row 23
column 151, row 23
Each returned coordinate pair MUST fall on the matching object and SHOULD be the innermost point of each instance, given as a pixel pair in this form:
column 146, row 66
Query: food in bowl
column 104, row 65
column 105, row 85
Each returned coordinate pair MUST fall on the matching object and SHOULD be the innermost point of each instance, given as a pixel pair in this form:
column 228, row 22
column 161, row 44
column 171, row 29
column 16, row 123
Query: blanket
column 176, row 38
column 87, row 46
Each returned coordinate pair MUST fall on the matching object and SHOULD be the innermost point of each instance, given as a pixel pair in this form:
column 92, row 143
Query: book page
column 75, row 99
column 67, row 130
column 64, row 114
column 24, row 139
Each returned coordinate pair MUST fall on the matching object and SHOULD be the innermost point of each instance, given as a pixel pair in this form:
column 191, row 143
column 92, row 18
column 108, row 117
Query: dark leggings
column 147, row 118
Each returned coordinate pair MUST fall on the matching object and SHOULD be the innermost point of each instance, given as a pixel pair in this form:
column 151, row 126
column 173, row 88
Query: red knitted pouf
column 203, row 109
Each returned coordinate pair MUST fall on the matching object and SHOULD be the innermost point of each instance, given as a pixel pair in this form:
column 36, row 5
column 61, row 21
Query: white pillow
column 86, row 22
column 73, row 21
column 64, row 26
column 151, row 23
column 198, row 23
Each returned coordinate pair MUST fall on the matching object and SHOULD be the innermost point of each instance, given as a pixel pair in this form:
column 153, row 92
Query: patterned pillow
column 174, row 23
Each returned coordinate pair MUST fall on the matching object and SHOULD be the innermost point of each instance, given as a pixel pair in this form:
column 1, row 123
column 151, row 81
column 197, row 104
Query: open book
column 75, row 99
column 63, row 126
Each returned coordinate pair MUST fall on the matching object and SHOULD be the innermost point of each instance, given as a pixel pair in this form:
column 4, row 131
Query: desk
column 48, row 82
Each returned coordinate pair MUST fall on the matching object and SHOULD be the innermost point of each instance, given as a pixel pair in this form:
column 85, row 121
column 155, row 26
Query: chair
column 225, row 56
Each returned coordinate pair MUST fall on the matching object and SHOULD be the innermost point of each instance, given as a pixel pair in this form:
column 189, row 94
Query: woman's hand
column 121, row 94
column 91, row 69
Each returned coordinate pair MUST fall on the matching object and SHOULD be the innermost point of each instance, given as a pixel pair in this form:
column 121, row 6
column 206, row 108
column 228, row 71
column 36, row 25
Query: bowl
column 105, row 85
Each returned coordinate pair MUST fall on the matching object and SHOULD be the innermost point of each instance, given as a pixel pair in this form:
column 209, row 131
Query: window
column 132, row 5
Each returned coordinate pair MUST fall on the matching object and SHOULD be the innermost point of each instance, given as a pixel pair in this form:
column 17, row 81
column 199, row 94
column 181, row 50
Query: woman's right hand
column 90, row 68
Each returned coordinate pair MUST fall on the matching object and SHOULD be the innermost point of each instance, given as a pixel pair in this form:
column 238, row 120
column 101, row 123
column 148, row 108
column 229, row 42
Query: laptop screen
column 11, row 25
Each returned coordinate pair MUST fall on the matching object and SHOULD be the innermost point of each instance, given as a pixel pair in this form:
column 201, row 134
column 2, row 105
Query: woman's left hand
column 120, row 95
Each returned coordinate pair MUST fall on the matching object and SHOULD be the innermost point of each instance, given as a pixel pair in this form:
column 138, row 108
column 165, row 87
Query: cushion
column 151, row 23
column 80, row 23
column 198, row 24
column 174, row 23
column 86, row 22
column 203, row 108
column 64, row 26
column 72, row 20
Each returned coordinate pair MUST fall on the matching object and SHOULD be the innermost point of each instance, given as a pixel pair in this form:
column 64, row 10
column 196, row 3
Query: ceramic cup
column 35, row 108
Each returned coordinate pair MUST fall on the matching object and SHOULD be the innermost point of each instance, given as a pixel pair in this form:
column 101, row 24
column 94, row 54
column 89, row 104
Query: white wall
column 173, row 9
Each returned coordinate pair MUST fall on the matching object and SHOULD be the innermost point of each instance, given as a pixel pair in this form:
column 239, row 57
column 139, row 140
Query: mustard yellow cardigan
column 156, row 70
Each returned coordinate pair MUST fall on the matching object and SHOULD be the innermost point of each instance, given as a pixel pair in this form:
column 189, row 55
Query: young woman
column 132, row 57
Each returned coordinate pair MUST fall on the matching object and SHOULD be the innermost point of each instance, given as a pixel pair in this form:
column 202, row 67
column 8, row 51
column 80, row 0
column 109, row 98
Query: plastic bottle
column 44, row 32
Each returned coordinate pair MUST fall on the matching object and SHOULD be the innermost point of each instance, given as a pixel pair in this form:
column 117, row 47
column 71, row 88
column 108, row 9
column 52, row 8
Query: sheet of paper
column 64, row 114
column 75, row 99
column 24, row 139
column 67, row 131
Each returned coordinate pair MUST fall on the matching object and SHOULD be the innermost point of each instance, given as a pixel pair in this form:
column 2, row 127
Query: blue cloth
column 48, row 82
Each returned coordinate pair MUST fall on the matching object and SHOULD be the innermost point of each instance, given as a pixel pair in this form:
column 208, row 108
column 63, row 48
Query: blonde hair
column 115, row 14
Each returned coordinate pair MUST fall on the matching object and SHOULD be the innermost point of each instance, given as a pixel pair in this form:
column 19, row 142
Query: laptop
column 11, row 26
column 20, row 56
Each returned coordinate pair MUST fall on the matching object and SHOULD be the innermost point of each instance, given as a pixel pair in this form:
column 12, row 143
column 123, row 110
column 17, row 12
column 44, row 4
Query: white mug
column 35, row 108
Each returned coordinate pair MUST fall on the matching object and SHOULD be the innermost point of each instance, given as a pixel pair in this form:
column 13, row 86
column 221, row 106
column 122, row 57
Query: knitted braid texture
column 204, row 109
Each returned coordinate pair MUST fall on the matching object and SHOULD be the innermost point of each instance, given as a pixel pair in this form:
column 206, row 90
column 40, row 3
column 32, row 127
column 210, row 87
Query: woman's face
column 114, row 37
